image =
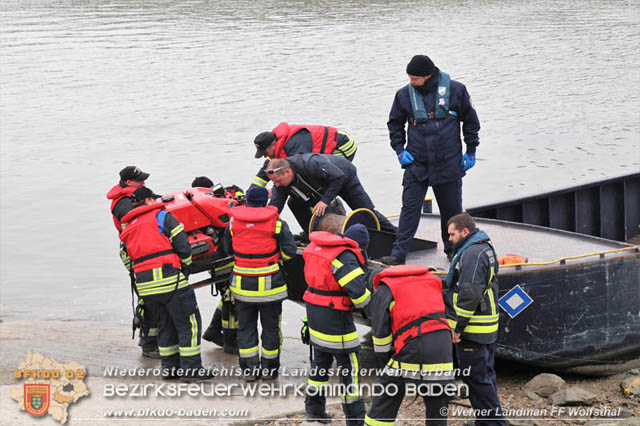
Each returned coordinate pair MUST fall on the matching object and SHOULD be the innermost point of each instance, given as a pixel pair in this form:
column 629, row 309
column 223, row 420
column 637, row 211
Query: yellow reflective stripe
column 175, row 231
column 267, row 270
column 262, row 284
column 255, row 293
column 355, row 371
column 463, row 312
column 484, row 318
column 194, row 330
column 226, row 266
column 259, row 181
column 190, row 351
column 347, row 148
column 270, row 352
column 187, row 261
column 493, row 305
column 480, row 329
column 452, row 323
column 337, row 263
column 369, row 421
column 278, row 227
column 163, row 289
column 248, row 350
column 362, row 298
column 284, row 255
column 391, row 305
column 238, row 285
column 447, row 366
column 350, row 276
column 334, row 338
column 381, row 341
column 317, row 383
column 168, row 350
column 153, row 332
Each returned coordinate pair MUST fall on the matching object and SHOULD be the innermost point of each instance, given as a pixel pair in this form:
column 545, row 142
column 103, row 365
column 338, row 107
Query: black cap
column 142, row 194
column 262, row 141
column 420, row 65
column 359, row 234
column 133, row 173
column 202, row 182
column 257, row 196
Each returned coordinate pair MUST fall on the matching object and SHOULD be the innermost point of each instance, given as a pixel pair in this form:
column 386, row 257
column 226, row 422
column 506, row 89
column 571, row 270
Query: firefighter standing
column 471, row 291
column 258, row 240
column 410, row 331
column 132, row 178
column 223, row 327
column 336, row 285
column 159, row 247
column 287, row 139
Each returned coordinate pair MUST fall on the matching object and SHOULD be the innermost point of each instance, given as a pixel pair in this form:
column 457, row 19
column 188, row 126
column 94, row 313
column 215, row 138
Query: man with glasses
column 312, row 181
column 424, row 128
column 286, row 140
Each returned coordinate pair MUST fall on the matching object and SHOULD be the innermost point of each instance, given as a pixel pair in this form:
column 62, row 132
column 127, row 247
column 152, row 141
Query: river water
column 181, row 88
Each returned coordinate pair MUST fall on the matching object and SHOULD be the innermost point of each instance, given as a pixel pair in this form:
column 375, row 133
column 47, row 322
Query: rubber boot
column 230, row 342
column 213, row 333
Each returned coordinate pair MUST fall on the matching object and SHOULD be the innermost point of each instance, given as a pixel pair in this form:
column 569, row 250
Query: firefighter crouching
column 132, row 178
column 258, row 240
column 336, row 285
column 409, row 329
column 158, row 247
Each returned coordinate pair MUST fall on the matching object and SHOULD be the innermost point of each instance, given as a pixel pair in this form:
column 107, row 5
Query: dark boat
column 584, row 291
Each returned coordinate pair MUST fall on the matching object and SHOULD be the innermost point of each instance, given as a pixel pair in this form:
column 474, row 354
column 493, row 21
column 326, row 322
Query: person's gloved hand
column 468, row 161
column 405, row 158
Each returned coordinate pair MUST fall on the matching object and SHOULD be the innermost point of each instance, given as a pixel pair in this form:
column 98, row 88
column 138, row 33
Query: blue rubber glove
column 405, row 158
column 468, row 161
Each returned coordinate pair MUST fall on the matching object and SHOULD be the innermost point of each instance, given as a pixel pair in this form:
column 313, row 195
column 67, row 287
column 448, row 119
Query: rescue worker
column 336, row 285
column 409, row 330
column 258, row 240
column 471, row 292
column 223, row 327
column 159, row 249
column 313, row 181
column 430, row 108
column 132, row 178
column 286, row 140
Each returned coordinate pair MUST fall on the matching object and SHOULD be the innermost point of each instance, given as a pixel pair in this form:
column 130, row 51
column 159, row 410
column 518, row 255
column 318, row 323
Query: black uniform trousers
column 384, row 408
column 180, row 327
column 348, row 370
column 270, row 315
column 483, row 387
column 353, row 194
column 449, row 199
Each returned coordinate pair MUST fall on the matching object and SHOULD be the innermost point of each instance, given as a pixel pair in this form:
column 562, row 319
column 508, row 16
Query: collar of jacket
column 431, row 84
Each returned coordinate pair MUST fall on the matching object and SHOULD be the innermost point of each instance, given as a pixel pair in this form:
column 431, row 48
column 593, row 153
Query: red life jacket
column 255, row 244
column 325, row 138
column 117, row 193
column 322, row 287
column 147, row 247
column 418, row 302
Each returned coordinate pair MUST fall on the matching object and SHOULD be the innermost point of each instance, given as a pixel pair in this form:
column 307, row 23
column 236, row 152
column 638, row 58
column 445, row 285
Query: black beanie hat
column 202, row 182
column 420, row 65
column 257, row 196
column 359, row 234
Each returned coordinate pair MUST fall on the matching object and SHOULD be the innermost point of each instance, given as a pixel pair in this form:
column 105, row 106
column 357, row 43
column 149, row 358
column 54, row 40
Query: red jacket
column 417, row 294
column 148, row 248
column 323, row 289
column 255, row 241
column 325, row 138
column 115, row 194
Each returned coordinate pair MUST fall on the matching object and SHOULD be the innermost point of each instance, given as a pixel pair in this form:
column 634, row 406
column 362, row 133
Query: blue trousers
column 483, row 387
column 251, row 357
column 449, row 199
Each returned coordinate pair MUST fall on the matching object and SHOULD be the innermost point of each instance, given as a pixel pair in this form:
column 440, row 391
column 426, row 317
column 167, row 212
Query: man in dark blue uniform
column 431, row 107
column 471, row 295
column 312, row 181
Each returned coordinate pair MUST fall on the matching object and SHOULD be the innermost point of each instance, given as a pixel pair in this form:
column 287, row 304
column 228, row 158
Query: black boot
column 230, row 342
column 213, row 333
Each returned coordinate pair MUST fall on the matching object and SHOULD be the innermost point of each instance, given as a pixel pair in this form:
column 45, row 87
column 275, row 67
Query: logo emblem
column 36, row 399
column 442, row 90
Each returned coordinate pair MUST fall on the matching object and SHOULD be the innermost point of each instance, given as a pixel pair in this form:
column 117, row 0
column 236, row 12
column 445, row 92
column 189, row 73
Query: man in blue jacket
column 424, row 128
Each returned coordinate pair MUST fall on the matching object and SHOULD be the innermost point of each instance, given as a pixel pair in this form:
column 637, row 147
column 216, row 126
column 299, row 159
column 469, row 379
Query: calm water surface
column 181, row 89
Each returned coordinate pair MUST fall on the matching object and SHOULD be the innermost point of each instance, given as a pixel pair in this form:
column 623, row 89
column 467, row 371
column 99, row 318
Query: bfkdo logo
column 36, row 399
